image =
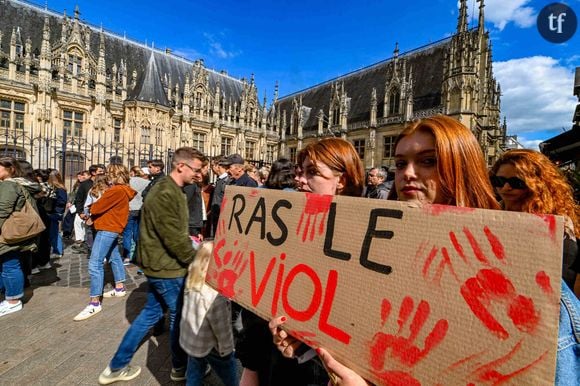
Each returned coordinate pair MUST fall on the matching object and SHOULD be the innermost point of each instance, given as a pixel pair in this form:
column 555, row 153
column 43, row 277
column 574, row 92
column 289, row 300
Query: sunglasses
column 514, row 182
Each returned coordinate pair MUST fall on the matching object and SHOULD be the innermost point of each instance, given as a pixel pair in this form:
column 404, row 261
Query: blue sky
column 302, row 43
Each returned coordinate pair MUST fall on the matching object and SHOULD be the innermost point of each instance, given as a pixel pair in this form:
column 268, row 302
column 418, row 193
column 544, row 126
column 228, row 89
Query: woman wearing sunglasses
column 527, row 181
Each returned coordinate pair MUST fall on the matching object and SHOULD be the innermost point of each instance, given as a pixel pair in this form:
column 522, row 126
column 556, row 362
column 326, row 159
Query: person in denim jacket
column 541, row 188
column 568, row 358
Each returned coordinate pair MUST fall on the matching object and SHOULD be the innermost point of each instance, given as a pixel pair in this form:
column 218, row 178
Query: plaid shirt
column 215, row 331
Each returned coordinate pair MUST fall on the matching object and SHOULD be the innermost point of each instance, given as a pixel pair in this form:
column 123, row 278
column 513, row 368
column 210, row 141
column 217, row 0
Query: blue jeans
column 130, row 235
column 161, row 293
column 11, row 278
column 105, row 246
column 54, row 235
column 568, row 357
column 225, row 368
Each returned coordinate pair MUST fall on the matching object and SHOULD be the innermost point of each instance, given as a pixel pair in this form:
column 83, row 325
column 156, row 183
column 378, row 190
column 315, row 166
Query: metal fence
column 71, row 155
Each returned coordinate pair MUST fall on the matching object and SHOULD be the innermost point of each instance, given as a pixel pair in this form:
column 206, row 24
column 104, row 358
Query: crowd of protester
column 142, row 216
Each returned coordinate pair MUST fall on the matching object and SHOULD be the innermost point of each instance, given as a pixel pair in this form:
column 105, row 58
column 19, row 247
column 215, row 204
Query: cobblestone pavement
column 42, row 345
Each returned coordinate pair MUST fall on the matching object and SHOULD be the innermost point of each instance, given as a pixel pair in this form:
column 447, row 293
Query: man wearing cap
column 235, row 165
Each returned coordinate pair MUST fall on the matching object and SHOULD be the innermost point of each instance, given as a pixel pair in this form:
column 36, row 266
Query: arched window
column 74, row 163
column 295, row 120
column 336, row 115
column 394, row 101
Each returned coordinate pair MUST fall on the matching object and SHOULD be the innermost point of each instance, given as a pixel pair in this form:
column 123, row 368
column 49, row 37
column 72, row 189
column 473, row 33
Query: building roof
column 427, row 67
column 149, row 87
column 136, row 55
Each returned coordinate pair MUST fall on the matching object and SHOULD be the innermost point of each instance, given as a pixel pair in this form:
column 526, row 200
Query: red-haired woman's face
column 318, row 178
column 416, row 176
column 512, row 198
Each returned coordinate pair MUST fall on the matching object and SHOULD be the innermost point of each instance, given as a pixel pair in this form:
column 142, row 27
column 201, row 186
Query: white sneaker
column 35, row 271
column 114, row 293
column 8, row 308
column 125, row 374
column 89, row 311
column 45, row 266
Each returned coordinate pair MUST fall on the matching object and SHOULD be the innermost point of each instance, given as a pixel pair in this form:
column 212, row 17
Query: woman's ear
column 341, row 183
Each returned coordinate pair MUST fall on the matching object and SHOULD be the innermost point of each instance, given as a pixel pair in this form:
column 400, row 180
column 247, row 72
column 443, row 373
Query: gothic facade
column 371, row 106
column 72, row 94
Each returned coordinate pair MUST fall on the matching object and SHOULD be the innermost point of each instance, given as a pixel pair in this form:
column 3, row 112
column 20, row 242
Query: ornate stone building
column 370, row 107
column 72, row 94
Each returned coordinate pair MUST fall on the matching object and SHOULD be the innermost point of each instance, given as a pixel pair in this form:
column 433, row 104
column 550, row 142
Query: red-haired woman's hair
column 341, row 157
column 460, row 163
column 548, row 191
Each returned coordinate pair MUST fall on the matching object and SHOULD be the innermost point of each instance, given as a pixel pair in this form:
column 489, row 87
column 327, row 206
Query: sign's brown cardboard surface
column 432, row 295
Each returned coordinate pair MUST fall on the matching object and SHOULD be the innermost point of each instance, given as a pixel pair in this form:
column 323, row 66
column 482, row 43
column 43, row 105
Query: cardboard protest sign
column 432, row 295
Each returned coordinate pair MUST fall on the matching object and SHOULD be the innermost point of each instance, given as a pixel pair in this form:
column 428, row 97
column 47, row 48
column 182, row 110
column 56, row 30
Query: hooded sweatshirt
column 111, row 212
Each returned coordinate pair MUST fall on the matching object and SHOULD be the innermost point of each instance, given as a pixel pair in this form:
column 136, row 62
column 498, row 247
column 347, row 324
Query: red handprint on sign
column 316, row 204
column 228, row 268
column 404, row 350
column 491, row 372
column 490, row 286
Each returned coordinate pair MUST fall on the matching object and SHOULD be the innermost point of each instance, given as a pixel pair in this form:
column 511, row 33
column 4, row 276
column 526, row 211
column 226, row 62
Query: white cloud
column 502, row 12
column 536, row 94
column 217, row 49
column 530, row 143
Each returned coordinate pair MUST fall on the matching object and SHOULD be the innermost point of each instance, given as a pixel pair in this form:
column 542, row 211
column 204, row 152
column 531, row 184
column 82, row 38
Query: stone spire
column 462, row 19
column 101, row 66
column 481, row 21
column 45, row 48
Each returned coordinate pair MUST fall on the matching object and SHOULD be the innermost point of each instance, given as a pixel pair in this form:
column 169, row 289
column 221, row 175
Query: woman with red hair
column 438, row 161
column 330, row 166
column 527, row 181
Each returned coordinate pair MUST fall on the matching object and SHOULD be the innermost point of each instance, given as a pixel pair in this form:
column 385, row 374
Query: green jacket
column 12, row 199
column 164, row 249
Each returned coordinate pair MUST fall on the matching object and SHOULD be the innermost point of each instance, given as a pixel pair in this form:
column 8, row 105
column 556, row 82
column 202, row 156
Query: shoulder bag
column 23, row 224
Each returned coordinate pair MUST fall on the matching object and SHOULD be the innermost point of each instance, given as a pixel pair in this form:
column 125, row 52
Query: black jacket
column 194, row 203
column 81, row 195
column 154, row 179
column 244, row 180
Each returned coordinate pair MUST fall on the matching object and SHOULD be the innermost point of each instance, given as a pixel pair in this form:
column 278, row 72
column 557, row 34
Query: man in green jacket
column 164, row 252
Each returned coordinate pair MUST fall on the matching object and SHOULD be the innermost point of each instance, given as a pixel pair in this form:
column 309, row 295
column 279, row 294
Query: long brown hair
column 340, row 156
column 118, row 174
column 55, row 179
column 100, row 185
column 460, row 163
column 548, row 191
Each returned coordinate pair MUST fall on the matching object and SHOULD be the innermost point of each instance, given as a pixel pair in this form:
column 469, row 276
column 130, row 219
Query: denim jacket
column 568, row 358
